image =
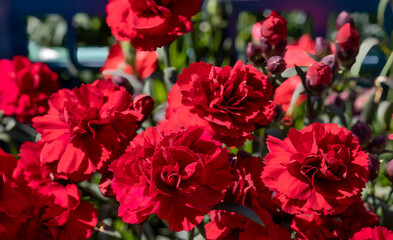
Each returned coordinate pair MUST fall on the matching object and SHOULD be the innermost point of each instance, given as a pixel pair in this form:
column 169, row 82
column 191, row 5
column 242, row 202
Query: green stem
column 191, row 234
column 167, row 60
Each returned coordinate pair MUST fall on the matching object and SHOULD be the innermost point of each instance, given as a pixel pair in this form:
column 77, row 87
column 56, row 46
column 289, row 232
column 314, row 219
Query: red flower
column 25, row 88
column 13, row 202
column 318, row 78
column 29, row 169
column 310, row 227
column 149, row 24
column 177, row 175
column 145, row 63
column 274, row 28
column 283, row 94
column 297, row 53
column 377, row 233
column 86, row 128
column 56, row 212
column 229, row 102
column 347, row 44
column 324, row 164
column 248, row 190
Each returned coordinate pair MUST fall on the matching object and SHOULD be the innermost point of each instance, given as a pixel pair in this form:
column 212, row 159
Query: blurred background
column 72, row 36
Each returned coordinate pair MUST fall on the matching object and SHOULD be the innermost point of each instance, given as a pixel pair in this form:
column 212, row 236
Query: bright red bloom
column 86, row 128
column 310, row 227
column 297, row 53
column 13, row 202
column 25, row 88
column 274, row 28
column 228, row 102
column 249, row 191
column 324, row 164
column 377, row 233
column 56, row 212
column 177, row 175
column 145, row 63
column 29, row 169
column 149, row 24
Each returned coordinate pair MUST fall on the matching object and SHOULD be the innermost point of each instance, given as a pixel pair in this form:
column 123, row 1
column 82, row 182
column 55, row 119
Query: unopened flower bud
column 362, row 131
column 276, row 65
column 254, row 53
column 332, row 62
column 318, row 78
column 342, row 19
column 321, row 47
column 373, row 167
column 274, row 28
column 378, row 144
column 347, row 45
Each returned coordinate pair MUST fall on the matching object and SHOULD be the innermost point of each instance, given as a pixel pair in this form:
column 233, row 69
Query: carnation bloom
column 324, row 164
column 56, row 212
column 248, row 190
column 297, row 53
column 145, row 63
column 86, row 128
column 377, row 233
column 149, row 24
column 25, row 88
column 13, row 202
column 228, row 102
column 177, row 175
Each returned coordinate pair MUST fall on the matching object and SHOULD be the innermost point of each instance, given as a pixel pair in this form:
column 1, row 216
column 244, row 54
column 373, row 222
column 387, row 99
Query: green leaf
column 240, row 209
column 363, row 50
column 201, row 229
column 295, row 96
column 381, row 11
column 289, row 72
column 388, row 65
column 159, row 91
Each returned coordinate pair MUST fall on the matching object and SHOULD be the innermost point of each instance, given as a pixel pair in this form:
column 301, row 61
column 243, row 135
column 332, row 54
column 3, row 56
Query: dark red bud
column 318, row 78
column 321, row 47
column 342, row 19
column 276, row 65
column 378, row 144
column 373, row 166
column 332, row 62
column 254, row 53
column 389, row 170
column 362, row 131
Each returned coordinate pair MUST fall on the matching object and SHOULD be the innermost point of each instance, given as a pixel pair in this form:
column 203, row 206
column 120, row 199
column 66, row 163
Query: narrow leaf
column 363, row 50
column 201, row 229
column 295, row 96
column 240, row 209
column 301, row 74
column 388, row 65
column 289, row 72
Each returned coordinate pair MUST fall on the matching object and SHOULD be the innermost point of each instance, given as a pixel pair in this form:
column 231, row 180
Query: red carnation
column 149, row 24
column 86, row 128
column 25, row 88
column 145, row 63
column 297, row 53
column 377, row 233
column 274, row 28
column 29, row 169
column 324, row 164
column 248, row 190
column 310, row 227
column 13, row 203
column 229, row 102
column 283, row 94
column 56, row 212
column 177, row 175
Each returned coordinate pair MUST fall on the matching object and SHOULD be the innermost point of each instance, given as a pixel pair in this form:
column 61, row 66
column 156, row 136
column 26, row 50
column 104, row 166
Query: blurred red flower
column 177, row 175
column 377, row 233
column 145, row 63
column 283, row 94
column 324, row 164
column 86, row 128
column 228, row 102
column 274, row 28
column 149, row 24
column 296, row 53
column 25, row 88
